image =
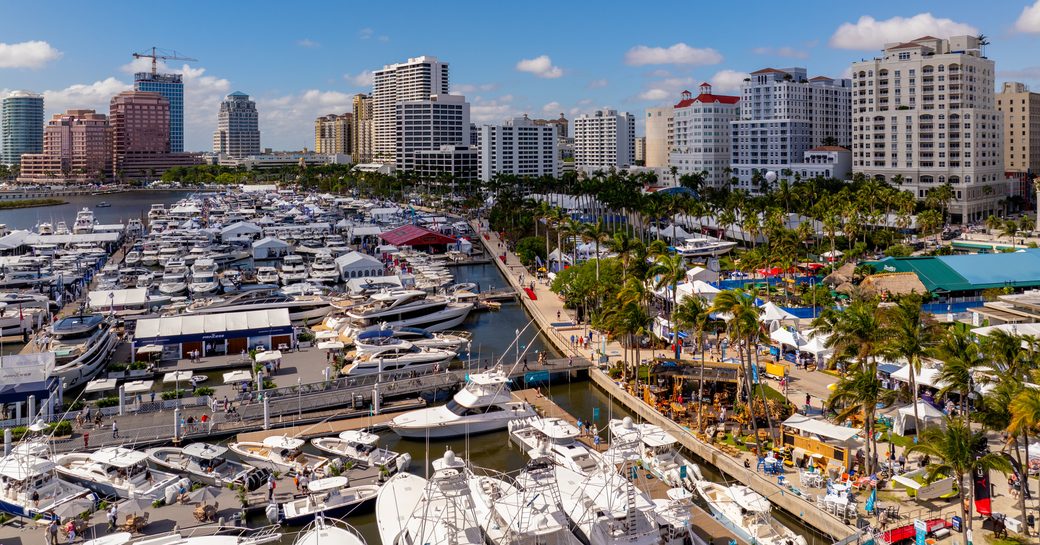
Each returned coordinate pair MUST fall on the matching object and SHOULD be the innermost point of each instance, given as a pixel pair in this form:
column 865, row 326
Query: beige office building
column 658, row 136
column 1021, row 109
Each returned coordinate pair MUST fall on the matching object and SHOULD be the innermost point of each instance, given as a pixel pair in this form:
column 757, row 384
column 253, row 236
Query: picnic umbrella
column 73, row 508
column 203, row 495
column 134, row 505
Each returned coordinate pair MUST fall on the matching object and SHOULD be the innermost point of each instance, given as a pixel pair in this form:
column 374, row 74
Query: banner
column 982, row 500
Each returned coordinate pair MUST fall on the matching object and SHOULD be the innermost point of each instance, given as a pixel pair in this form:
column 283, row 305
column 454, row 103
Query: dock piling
column 176, row 424
column 267, row 412
column 7, row 441
column 122, row 399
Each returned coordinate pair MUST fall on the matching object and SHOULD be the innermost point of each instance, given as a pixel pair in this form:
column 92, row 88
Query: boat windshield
column 456, row 408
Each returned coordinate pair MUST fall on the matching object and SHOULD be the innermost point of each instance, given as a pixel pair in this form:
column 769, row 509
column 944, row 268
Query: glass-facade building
column 170, row 86
column 21, row 126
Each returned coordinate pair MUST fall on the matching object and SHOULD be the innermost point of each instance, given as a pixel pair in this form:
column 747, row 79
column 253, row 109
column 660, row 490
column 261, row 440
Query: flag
column 982, row 499
column 872, row 500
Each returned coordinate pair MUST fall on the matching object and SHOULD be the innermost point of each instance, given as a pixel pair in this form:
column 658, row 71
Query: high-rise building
column 564, row 143
column 459, row 162
column 77, row 147
column 439, row 120
column 519, row 147
column 658, row 136
column 238, row 129
column 21, row 126
column 417, row 79
column 924, row 115
column 641, row 150
column 1021, row 111
column 170, row 86
column 603, row 140
column 361, row 137
column 700, row 135
column 140, row 125
column 334, row 134
column 782, row 115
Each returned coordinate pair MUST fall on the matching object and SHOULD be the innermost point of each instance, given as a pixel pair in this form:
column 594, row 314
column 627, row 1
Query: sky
column 302, row 60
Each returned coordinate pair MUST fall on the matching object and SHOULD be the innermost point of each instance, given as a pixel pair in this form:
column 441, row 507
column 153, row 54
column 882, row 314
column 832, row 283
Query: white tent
column 821, row 428
column 928, row 376
column 904, row 418
column 273, row 355
column 772, row 313
column 787, row 337
column 556, row 257
column 358, row 265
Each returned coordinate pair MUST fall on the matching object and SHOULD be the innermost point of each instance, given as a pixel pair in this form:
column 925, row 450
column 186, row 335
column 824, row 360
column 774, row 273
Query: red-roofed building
column 701, row 134
column 416, row 237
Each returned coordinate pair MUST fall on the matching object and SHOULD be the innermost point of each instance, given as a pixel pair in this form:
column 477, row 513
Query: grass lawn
column 770, row 393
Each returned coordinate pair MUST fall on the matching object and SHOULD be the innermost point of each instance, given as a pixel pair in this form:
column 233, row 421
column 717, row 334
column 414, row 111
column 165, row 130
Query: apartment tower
column 333, row 134
column 77, row 147
column 417, row 79
column 21, row 126
column 361, row 137
column 700, row 137
column 238, row 130
column 171, row 87
column 604, row 140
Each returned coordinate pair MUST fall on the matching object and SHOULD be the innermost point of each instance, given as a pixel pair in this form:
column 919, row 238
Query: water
column 126, row 205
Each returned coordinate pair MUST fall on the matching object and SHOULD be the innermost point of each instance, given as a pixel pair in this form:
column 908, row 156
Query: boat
column 483, row 405
column 329, row 496
column 657, row 449
column 84, row 222
column 61, row 228
column 150, row 257
column 372, row 341
column 133, row 257
column 267, row 275
column 672, row 514
column 230, row 280
column 103, row 204
column 27, row 475
column 407, row 308
column 278, row 453
column 81, row 345
column 157, row 211
column 401, row 356
column 25, row 299
column 134, row 227
column 361, row 447
column 174, row 279
column 45, row 229
column 203, row 277
column 704, row 247
column 606, row 508
column 527, row 513
column 324, row 269
column 745, row 512
column 293, row 270
column 207, row 463
column 530, row 433
column 116, row 472
column 439, row 511
column 19, row 321
column 325, row 531
column 302, row 308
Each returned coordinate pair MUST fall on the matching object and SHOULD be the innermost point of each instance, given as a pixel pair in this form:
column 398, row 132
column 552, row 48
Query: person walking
column 52, row 532
column 270, row 488
column 115, row 430
column 111, row 518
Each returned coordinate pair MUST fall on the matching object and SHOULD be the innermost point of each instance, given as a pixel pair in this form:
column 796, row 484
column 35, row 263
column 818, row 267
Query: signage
column 920, row 531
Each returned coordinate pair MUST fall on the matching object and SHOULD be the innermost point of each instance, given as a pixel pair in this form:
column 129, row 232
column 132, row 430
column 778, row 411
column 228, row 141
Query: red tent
column 413, row 235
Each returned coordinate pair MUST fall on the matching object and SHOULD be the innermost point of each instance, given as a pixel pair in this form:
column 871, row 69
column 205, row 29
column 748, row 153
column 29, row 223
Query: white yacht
column 407, row 308
column 362, row 447
column 483, row 405
column 397, row 357
column 133, row 258
column 45, row 229
column 157, row 211
column 206, row 463
column 606, row 509
column 530, row 433
column 81, row 345
column 293, row 270
column 116, row 472
column 302, row 308
column 324, row 269
column 657, row 449
column 203, row 277
column 278, row 453
column 174, row 279
column 704, row 247
column 17, row 321
column 150, row 257
column 84, row 222
column 230, row 280
column 745, row 512
column 267, row 275
column 328, row 496
column 440, row 511
column 375, row 340
column 25, row 299
column 528, row 513
column 170, row 253
column 61, row 228
column 25, row 476
column 134, row 227
column 325, row 531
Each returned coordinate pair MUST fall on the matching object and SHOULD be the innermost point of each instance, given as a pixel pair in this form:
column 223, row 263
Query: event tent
column 904, row 418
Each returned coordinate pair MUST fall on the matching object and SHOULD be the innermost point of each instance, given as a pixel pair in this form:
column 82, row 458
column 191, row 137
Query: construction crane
column 157, row 54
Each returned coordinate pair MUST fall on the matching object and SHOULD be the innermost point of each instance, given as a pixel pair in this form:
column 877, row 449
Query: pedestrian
column 270, row 488
column 86, row 440
column 115, row 430
column 572, row 341
column 570, row 361
column 153, row 396
column 557, row 316
column 296, row 482
column 36, row 498
column 525, row 363
column 111, row 517
column 485, row 364
column 808, row 401
column 52, row 532
column 71, row 529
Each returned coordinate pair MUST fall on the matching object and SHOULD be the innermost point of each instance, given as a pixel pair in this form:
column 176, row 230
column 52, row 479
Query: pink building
column 76, row 148
column 140, row 127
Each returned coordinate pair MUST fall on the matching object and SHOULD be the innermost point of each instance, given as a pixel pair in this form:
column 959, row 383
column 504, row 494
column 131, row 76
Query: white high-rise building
column 658, row 128
column 238, row 132
column 603, row 140
column 416, row 79
column 519, row 147
column 701, row 137
column 429, row 124
column 782, row 115
column 924, row 115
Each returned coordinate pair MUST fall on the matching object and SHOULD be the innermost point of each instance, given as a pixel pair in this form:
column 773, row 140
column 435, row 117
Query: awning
column 150, row 349
column 177, row 376
column 326, row 334
column 270, row 355
column 928, row 376
column 821, row 428
column 330, row 345
column 238, row 376
column 101, row 385
column 138, row 386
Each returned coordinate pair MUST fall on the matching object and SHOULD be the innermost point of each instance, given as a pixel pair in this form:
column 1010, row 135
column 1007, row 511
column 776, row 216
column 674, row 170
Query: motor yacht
column 150, row 257
column 18, row 321
column 134, row 227
column 324, row 269
column 25, row 299
column 170, row 253
column 293, row 270
column 483, row 405
column 438, row 511
column 606, row 508
column 144, row 280
column 230, row 280
column 174, row 279
column 657, row 450
column 116, row 472
column 704, row 247
column 84, row 222
column 27, row 475
column 81, row 345
column 203, row 277
column 362, row 448
column 207, row 463
column 399, row 356
column 157, row 211
column 305, row 309
column 278, row 453
column 407, row 308
column 373, row 341
column 745, row 512
column 325, row 531
column 267, row 275
column 45, row 229
column 527, row 513
column 328, row 496
column 133, row 258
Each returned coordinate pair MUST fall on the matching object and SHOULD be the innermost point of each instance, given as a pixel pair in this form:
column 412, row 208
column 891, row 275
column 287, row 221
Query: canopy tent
column 271, row 355
column 556, row 256
column 138, row 386
column 101, row 385
column 788, row 337
column 928, row 376
column 772, row 313
column 177, row 376
column 904, row 419
column 235, row 377
column 820, row 428
column 330, row 345
column 150, row 349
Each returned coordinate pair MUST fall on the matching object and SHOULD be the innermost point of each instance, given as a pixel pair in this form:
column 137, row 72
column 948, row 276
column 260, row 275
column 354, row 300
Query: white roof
column 357, row 260
column 138, row 386
column 101, row 385
column 282, row 441
column 330, row 345
column 177, row 376
column 241, row 227
column 102, row 299
column 270, row 242
column 924, row 410
column 72, row 239
column 820, row 427
column 118, row 456
column 14, row 239
column 928, row 376
column 787, row 337
column 197, row 324
column 238, row 376
column 269, row 355
column 773, row 313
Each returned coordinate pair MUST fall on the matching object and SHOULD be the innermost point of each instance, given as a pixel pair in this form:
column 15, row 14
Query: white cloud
column 368, row 34
column 287, row 121
column 540, row 66
column 32, row 54
column 679, row 53
column 493, row 110
column 727, row 81
column 467, row 88
column 552, row 107
column 1029, row 20
column 869, row 33
column 654, row 94
column 598, row 83
column 84, row 95
column 308, row 43
column 363, row 79
column 658, row 73
column 785, row 51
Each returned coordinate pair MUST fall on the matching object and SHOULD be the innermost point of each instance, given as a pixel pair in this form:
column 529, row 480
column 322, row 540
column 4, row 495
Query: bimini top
column 359, row 436
column 748, row 499
column 493, row 378
column 77, row 324
column 22, row 467
column 204, row 451
column 281, row 441
column 555, row 428
column 327, row 484
column 118, row 457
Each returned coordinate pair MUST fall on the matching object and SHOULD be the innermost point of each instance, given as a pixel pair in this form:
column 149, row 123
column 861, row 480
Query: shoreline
column 30, row 203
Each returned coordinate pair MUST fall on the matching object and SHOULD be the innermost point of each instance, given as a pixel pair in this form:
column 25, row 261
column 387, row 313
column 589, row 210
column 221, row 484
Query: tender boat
column 657, row 449
column 27, row 474
column 483, row 405
column 361, row 447
column 103, row 204
column 407, row 308
column 330, row 496
column 115, row 472
column 397, row 357
column 278, row 453
column 207, row 463
column 745, row 512
column 325, row 531
column 81, row 345
column 704, row 247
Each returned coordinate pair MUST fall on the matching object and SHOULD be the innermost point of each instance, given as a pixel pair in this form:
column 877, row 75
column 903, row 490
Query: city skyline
column 298, row 67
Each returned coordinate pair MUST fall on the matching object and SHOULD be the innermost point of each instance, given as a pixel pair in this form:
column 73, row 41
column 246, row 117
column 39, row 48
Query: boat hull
column 458, row 428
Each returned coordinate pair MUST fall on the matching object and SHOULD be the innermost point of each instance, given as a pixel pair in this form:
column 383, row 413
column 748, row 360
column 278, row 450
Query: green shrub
column 116, row 367
column 204, row 391
column 138, row 365
column 269, row 384
column 305, row 336
column 173, row 394
column 62, row 428
column 529, row 247
column 110, row 401
column 75, row 405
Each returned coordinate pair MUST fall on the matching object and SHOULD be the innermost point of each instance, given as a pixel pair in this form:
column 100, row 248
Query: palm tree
column 961, row 356
column 858, row 393
column 692, row 314
column 625, row 246
column 961, row 452
column 1010, row 229
column 993, row 223
column 671, row 270
column 742, row 328
column 856, row 334
column 910, row 335
column 597, row 233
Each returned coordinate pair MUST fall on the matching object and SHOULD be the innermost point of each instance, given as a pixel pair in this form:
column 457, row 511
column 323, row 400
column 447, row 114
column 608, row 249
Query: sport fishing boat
column 293, row 270
column 302, row 308
column 398, row 357
column 530, row 433
column 326, row 531
column 81, row 345
column 362, row 448
column 745, row 512
column 606, row 508
column 116, row 472
column 203, row 277
column 372, row 341
column 278, row 453
column 527, row 513
column 324, row 269
column 207, row 463
column 704, row 247
column 407, row 308
column 483, row 405
column 27, row 477
column 329, row 496
column 657, row 449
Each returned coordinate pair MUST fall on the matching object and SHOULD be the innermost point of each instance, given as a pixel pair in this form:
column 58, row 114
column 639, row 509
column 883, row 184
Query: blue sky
column 306, row 59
